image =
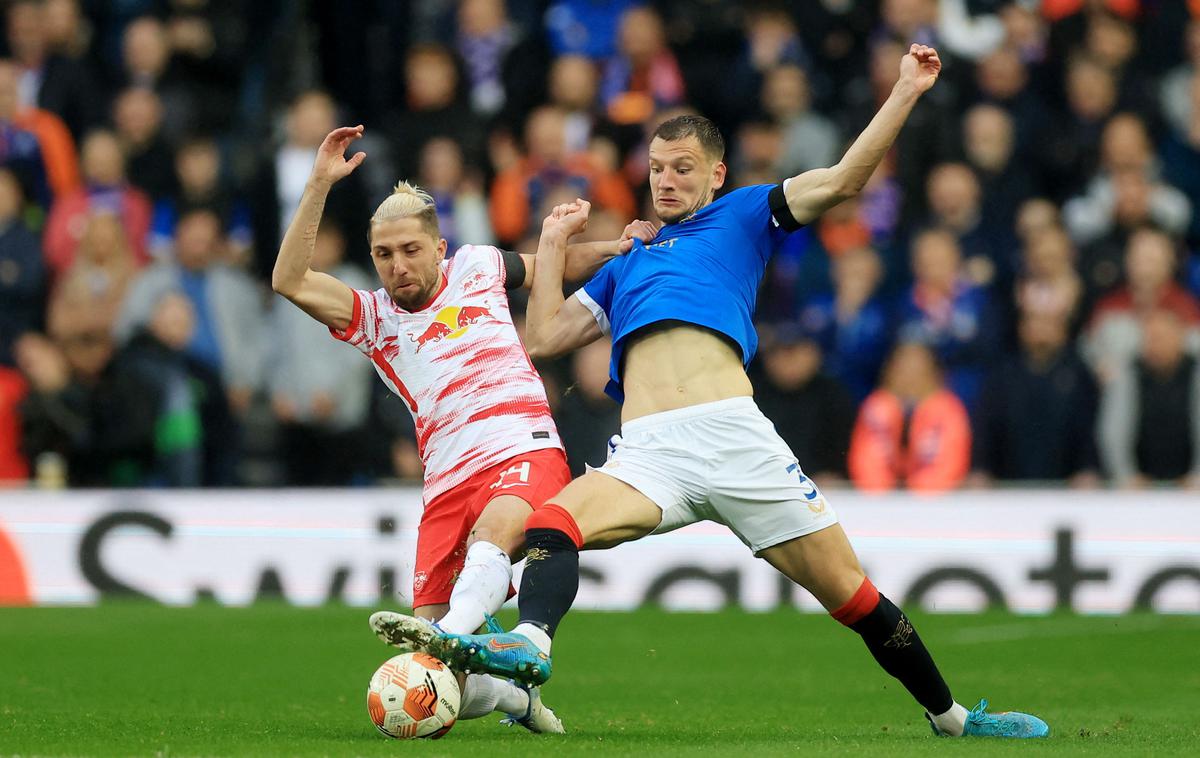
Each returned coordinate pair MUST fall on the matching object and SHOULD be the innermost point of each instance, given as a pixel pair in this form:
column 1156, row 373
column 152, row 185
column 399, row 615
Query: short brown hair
column 704, row 130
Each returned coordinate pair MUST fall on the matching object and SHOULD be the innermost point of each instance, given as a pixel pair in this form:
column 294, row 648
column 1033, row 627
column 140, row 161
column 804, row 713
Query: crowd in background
column 1013, row 297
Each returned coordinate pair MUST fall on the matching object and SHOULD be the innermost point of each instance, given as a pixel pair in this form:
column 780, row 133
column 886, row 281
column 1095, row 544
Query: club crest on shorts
column 812, row 496
column 420, row 579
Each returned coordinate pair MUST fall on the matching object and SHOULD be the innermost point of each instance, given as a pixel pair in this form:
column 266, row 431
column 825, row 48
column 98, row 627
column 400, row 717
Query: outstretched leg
column 593, row 511
column 824, row 563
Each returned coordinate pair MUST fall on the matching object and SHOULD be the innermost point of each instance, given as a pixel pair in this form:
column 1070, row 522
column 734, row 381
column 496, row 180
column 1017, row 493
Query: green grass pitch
column 133, row 679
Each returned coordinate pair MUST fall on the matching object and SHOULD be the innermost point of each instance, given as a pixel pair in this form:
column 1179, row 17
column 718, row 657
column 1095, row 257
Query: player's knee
column 554, row 517
column 860, row 605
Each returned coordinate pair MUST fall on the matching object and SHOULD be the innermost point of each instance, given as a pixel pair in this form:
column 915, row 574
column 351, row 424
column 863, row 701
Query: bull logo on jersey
column 450, row 323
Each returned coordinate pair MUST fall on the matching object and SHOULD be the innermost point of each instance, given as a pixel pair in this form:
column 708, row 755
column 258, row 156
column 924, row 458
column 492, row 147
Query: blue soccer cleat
column 508, row 655
column 1010, row 724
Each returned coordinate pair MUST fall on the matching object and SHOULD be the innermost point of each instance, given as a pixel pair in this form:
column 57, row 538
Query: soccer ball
column 413, row 695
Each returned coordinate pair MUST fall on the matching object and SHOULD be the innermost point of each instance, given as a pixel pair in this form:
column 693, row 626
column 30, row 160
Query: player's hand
column 568, row 219
column 920, row 68
column 636, row 229
column 331, row 164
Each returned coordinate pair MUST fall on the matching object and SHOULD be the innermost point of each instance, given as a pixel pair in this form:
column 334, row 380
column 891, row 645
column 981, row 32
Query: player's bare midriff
column 678, row 366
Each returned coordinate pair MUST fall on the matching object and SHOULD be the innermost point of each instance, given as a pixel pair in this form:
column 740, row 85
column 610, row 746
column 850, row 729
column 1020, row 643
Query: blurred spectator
column 226, row 302
column 485, row 37
column 190, row 63
column 587, row 418
column 547, row 168
column 810, row 139
column 282, row 173
column 644, row 75
column 1067, row 151
column 1150, row 411
column 95, row 284
column 137, row 116
column 319, row 391
column 68, row 33
column 193, row 427
column 1037, row 412
column 435, row 106
column 573, row 86
column 1036, row 215
column 947, row 312
column 811, row 410
column 198, row 183
column 22, row 271
column 1049, row 284
column 461, row 206
column 20, row 151
column 585, row 27
column 911, row 432
column 49, row 80
column 1126, row 193
column 989, row 139
column 105, row 189
column 1113, row 334
column 851, row 325
column 1181, row 148
column 970, row 30
column 956, row 206
column 58, row 173
column 770, row 41
column 1175, row 91
column 759, row 150
column 85, row 409
column 1003, row 79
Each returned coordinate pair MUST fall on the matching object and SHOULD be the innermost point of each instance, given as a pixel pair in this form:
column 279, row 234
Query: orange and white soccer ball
column 413, row 695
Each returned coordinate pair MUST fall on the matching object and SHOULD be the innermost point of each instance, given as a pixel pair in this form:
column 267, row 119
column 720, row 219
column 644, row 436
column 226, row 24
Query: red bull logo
column 450, row 323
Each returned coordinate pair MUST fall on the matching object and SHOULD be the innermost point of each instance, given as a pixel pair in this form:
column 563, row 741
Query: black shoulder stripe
column 780, row 211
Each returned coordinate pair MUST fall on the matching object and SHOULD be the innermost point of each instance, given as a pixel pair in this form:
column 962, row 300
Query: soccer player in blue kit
column 693, row 444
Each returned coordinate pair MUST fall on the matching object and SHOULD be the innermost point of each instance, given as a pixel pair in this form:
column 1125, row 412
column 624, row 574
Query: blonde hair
column 407, row 201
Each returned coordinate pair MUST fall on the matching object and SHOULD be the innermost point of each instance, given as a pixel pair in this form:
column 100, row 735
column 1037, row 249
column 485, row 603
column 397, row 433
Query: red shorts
column 534, row 477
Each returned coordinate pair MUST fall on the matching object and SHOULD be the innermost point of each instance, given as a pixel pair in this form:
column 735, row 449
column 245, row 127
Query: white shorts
column 721, row 462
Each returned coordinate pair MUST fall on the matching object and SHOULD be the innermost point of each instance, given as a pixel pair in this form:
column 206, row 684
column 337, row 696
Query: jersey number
column 513, row 477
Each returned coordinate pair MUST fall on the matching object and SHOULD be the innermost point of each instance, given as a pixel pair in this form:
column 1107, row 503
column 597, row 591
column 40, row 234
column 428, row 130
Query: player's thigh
column 607, row 510
column 502, row 523
column 432, row 612
column 822, row 562
column 514, row 490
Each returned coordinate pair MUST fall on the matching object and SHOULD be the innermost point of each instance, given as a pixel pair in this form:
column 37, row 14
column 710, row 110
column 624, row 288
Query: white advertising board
column 1029, row 551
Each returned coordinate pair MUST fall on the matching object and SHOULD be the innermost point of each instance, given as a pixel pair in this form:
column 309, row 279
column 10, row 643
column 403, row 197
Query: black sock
column 899, row 650
column 551, row 578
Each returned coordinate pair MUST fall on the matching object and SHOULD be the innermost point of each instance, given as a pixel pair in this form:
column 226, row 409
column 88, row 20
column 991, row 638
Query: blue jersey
column 704, row 270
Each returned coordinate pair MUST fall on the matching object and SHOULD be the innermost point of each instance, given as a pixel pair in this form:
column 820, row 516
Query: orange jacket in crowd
column 935, row 456
column 510, row 200
column 57, row 146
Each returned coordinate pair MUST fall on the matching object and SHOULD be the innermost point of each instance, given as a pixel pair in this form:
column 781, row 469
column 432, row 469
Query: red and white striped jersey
column 460, row 368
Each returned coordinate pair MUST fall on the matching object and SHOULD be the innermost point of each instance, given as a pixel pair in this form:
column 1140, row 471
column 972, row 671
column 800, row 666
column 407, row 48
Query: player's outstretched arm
column 554, row 325
column 319, row 295
column 586, row 258
column 812, row 193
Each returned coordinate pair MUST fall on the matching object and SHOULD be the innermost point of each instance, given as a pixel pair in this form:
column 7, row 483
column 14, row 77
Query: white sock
column 481, row 588
column 483, row 694
column 952, row 721
column 536, row 635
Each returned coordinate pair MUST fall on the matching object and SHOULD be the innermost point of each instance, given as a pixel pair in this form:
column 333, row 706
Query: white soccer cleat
column 537, row 717
column 409, row 633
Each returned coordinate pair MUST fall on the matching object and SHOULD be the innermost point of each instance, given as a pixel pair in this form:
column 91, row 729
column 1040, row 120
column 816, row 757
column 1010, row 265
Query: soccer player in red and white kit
column 440, row 335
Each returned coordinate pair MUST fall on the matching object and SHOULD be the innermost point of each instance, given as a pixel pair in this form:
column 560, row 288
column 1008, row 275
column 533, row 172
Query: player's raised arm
column 553, row 324
column 319, row 295
column 812, row 193
column 586, row 258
